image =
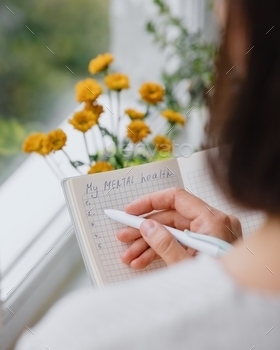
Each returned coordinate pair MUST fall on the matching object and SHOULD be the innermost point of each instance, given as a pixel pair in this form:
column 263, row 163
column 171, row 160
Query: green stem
column 94, row 141
column 72, row 162
column 52, row 169
column 147, row 111
column 110, row 110
column 102, row 138
column 52, row 157
column 119, row 159
column 110, row 98
column 87, row 147
column 106, row 132
column 119, row 115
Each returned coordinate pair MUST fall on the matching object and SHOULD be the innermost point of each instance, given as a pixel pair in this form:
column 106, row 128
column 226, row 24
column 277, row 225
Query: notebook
column 88, row 195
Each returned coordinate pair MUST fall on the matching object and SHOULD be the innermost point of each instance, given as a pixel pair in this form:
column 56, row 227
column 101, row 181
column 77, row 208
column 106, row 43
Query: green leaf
column 77, row 163
column 125, row 143
column 194, row 57
column 93, row 157
column 12, row 134
column 104, row 132
column 150, row 27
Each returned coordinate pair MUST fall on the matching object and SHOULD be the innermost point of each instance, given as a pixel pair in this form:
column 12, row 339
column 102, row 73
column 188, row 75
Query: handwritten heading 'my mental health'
column 129, row 180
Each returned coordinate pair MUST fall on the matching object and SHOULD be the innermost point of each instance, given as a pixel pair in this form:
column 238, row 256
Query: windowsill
column 35, row 291
column 24, row 198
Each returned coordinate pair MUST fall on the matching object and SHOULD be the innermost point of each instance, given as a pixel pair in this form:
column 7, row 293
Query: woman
column 202, row 303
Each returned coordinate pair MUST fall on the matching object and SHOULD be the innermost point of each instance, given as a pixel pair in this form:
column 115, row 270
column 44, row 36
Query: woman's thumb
column 162, row 242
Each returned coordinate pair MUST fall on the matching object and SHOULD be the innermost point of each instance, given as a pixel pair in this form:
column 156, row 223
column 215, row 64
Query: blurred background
column 36, row 87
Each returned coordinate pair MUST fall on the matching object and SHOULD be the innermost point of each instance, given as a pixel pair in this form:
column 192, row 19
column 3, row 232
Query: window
column 45, row 47
column 38, row 246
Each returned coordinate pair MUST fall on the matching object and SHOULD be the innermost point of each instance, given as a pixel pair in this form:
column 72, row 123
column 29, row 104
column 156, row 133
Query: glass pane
column 45, row 49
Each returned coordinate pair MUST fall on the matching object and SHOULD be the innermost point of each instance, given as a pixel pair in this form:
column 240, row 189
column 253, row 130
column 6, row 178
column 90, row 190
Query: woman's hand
column 179, row 209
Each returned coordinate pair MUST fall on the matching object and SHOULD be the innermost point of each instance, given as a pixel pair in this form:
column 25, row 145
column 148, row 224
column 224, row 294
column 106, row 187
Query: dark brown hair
column 245, row 111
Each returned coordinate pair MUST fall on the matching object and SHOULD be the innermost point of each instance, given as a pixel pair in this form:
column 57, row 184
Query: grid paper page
column 197, row 178
column 109, row 248
column 114, row 190
column 203, row 187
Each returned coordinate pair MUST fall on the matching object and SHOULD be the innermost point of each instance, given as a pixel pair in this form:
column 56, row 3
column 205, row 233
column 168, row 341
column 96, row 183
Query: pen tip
column 107, row 211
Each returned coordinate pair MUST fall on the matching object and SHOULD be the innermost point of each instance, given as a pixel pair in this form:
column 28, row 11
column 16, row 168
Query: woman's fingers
column 218, row 224
column 198, row 216
column 236, row 226
column 139, row 255
column 134, row 251
column 176, row 198
column 156, row 242
column 166, row 217
column 144, row 259
column 170, row 218
column 162, row 242
column 128, row 234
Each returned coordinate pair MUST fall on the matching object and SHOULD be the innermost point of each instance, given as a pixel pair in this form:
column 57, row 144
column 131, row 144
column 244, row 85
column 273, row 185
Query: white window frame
column 26, row 301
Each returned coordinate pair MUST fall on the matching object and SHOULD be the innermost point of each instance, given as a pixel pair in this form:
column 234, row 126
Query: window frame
column 27, row 300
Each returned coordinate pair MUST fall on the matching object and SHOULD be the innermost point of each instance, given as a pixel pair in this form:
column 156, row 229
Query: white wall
column 134, row 51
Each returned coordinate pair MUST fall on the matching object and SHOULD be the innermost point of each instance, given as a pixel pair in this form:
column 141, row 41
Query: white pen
column 203, row 243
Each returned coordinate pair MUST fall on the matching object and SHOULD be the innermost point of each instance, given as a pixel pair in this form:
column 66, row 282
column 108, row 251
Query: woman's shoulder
column 194, row 304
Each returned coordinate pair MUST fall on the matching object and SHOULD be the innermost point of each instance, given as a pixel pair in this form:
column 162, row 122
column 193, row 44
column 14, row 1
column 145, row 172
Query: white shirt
column 193, row 305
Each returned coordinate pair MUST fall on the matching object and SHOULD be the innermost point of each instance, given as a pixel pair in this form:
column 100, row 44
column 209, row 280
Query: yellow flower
column 173, row 117
column 152, row 93
column 100, row 63
column 100, row 167
column 133, row 114
column 88, row 90
column 137, row 130
column 37, row 142
column 116, row 81
column 31, row 143
column 57, row 139
column 94, row 108
column 45, row 147
column 83, row 120
column 163, row 143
